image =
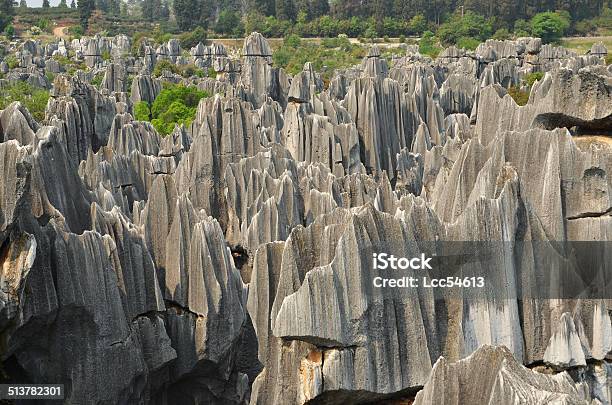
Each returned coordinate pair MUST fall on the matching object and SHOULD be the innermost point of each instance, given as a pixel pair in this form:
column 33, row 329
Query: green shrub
column 106, row 55
column 418, row 24
column 468, row 43
column 370, row 34
column 33, row 98
column 470, row 25
column 189, row 70
column 333, row 53
column 142, row 112
column 175, row 104
column 531, row 78
column 519, row 96
column 44, row 24
column 604, row 20
column 341, row 42
column 427, row 45
column 501, row 34
column 402, row 39
column 97, row 79
column 522, row 28
column 76, row 31
column 190, row 39
column 139, row 39
column 585, row 27
column 163, row 65
column 11, row 61
column 292, row 41
column 9, row 31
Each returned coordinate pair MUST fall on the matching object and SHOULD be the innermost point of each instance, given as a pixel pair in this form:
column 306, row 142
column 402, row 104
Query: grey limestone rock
column 492, row 375
column 145, row 88
column 230, row 262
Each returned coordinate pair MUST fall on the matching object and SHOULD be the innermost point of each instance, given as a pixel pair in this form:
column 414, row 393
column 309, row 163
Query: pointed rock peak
column 564, row 347
column 256, row 45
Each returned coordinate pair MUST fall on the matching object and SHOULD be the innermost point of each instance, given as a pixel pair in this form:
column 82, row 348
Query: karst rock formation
column 229, row 262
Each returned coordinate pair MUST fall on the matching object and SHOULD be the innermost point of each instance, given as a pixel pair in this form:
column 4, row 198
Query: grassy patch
column 582, row 45
column 33, row 98
column 334, row 53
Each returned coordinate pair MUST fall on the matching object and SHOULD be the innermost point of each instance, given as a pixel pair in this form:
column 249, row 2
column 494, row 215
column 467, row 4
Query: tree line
column 328, row 17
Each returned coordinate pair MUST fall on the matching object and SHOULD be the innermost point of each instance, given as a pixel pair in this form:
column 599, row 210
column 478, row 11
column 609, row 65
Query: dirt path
column 60, row 31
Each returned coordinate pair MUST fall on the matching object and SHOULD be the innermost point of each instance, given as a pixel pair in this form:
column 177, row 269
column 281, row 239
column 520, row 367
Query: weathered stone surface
column 145, row 88
column 17, row 123
column 230, row 262
column 492, row 375
column 556, row 101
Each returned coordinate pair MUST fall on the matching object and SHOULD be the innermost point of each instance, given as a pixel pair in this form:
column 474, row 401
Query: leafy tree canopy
column 174, row 105
column 550, row 26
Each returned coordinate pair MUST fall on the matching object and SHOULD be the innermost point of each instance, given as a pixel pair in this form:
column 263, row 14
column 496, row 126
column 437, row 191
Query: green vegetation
column 175, row 104
column 11, row 61
column 531, row 78
column 6, row 14
column 9, row 31
column 190, row 39
column 427, row 45
column 165, row 65
column 502, row 34
column 582, row 45
column 550, row 26
column 33, row 98
column 142, row 112
column 97, row 79
column 229, row 23
column 334, row 53
column 469, row 29
column 520, row 97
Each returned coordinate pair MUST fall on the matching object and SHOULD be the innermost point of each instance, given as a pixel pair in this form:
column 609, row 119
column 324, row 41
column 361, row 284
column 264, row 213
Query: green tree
column 175, row 104
column 6, row 13
column 9, row 31
column 62, row 4
column 72, row 4
column 23, row 4
column 228, row 22
column 522, row 28
column 148, row 9
column 45, row 4
column 264, row 7
column 285, row 10
column 319, row 8
column 191, row 39
column 418, row 24
column 142, row 112
column 549, row 26
column 85, row 8
column 501, row 34
column 427, row 45
column 186, row 14
column 470, row 25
